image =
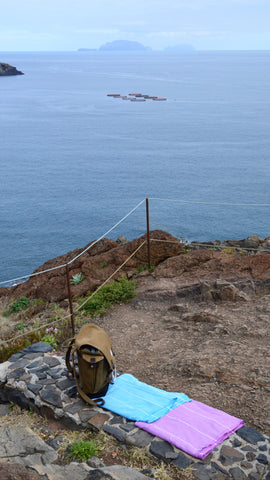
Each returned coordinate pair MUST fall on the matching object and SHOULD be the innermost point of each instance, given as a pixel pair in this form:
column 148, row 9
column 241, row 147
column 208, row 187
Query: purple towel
column 194, row 427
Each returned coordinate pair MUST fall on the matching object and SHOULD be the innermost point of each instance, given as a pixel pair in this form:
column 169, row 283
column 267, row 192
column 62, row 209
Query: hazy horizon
column 61, row 25
column 90, row 49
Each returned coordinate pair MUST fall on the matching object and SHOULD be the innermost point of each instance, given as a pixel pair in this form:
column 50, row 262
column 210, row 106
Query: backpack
column 95, row 362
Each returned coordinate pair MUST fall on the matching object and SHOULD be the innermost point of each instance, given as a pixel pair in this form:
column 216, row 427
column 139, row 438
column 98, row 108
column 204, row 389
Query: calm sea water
column 73, row 161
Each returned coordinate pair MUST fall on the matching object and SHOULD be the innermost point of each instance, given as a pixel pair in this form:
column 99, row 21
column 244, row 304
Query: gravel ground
column 215, row 352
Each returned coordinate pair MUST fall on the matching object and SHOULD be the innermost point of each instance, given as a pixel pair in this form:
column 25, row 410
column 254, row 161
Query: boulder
column 253, row 241
column 16, row 471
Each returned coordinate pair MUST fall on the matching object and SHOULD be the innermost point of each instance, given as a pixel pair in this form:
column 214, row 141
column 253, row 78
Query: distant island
column 123, row 45
column 7, row 70
column 132, row 46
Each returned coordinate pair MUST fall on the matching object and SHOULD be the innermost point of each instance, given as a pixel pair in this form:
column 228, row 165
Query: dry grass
column 111, row 451
column 26, row 327
column 22, row 418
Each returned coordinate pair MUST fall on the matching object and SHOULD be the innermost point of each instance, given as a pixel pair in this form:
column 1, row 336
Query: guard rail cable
column 110, row 230
column 46, row 325
column 191, row 202
column 79, row 255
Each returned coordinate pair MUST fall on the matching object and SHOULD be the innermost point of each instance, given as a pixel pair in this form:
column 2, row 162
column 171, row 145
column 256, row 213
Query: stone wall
column 36, row 378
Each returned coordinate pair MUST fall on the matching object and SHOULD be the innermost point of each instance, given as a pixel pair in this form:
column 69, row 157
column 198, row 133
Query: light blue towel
column 138, row 401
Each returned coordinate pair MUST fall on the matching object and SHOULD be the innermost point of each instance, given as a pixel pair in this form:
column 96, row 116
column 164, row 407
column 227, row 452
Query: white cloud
column 190, row 33
column 166, row 34
column 25, row 35
column 94, row 31
column 132, row 23
column 209, row 33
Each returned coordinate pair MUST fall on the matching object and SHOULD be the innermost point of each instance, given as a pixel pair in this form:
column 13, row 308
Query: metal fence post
column 148, row 233
column 70, row 300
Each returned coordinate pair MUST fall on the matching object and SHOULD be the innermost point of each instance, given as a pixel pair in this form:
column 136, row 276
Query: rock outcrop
column 96, row 265
column 7, row 70
column 192, row 264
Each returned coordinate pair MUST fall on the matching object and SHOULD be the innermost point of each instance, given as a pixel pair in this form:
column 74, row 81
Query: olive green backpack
column 94, row 366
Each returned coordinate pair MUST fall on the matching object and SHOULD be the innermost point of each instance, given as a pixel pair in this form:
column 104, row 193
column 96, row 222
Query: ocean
column 73, row 161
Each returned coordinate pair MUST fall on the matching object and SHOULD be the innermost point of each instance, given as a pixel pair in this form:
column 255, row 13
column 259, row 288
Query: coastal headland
column 8, row 70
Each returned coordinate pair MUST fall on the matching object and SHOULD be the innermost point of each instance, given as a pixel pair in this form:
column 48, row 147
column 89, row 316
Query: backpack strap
column 98, row 402
column 69, row 367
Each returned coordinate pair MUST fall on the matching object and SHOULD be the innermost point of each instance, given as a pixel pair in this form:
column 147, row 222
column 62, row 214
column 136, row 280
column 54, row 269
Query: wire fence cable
column 212, row 203
column 13, row 280
column 78, row 308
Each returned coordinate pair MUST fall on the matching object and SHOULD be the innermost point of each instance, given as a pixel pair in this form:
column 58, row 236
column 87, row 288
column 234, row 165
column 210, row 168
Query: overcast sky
column 72, row 24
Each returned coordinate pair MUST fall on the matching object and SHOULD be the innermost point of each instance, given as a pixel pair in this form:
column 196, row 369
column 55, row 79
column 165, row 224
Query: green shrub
column 50, row 339
column 21, row 326
column 21, row 304
column 103, row 264
column 228, row 250
column 186, row 250
column 117, row 291
column 50, row 336
column 82, row 450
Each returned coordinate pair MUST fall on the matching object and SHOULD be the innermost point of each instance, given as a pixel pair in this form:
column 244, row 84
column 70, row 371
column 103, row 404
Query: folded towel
column 136, row 400
column 194, row 427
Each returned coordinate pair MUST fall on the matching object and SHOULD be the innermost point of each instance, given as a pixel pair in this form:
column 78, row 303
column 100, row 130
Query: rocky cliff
column 7, row 70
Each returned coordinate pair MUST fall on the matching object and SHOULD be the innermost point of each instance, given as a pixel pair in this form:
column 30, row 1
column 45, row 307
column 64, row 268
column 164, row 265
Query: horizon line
column 165, row 50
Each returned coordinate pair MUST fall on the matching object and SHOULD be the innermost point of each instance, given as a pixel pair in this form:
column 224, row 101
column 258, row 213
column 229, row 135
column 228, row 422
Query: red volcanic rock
column 211, row 265
column 96, row 265
column 171, row 259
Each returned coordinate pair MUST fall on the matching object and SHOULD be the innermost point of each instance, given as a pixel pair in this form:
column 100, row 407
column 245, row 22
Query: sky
column 43, row 25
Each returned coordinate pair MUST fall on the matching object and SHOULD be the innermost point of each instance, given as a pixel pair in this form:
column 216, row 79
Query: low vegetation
column 21, row 304
column 80, row 445
column 103, row 264
column 118, row 291
column 31, row 321
column 39, row 322
column 77, row 278
column 81, row 450
column 142, row 268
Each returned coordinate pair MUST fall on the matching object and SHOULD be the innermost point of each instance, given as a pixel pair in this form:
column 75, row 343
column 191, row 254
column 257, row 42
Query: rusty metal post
column 70, row 301
column 148, row 233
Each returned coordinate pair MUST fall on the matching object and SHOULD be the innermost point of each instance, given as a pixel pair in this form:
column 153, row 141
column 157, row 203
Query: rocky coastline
column 8, row 70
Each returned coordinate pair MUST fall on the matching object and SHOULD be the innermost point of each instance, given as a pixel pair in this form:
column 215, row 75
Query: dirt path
column 217, row 353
